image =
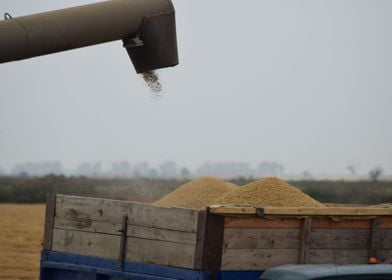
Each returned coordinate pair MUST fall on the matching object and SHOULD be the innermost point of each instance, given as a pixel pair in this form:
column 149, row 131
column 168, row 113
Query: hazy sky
column 304, row 83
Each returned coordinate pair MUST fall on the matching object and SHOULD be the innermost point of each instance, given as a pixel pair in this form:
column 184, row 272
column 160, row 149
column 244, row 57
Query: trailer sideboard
column 130, row 237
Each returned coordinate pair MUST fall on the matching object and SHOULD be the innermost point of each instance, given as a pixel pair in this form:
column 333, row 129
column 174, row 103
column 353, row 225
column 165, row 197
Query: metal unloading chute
column 146, row 27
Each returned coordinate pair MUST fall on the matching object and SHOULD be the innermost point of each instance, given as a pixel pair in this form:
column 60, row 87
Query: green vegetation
column 35, row 189
column 360, row 192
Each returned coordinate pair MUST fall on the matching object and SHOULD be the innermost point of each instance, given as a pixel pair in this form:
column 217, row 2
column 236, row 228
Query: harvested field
column 268, row 192
column 196, row 194
column 21, row 234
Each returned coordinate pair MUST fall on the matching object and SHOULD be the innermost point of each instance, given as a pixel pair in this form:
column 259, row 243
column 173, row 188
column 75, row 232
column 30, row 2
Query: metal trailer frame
column 64, row 266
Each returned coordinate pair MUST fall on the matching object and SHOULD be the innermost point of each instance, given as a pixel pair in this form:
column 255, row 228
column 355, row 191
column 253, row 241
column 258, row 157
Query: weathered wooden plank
column 327, row 223
column 162, row 234
column 261, row 238
column 87, row 225
column 49, row 221
column 374, row 238
column 339, row 239
column 386, row 222
column 300, row 211
column 86, row 243
column 138, row 250
column 348, row 239
column 305, row 241
column 324, row 222
column 285, row 238
column 200, row 239
column 232, row 210
column 327, row 211
column 160, row 252
column 208, row 254
column 97, row 209
column 386, row 239
column 257, row 259
column 213, row 242
column 318, row 222
column 343, row 256
column 385, row 256
column 132, row 231
column 338, row 256
column 237, row 222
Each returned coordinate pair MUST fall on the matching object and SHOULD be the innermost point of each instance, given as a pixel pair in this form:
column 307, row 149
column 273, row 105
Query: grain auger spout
column 146, row 27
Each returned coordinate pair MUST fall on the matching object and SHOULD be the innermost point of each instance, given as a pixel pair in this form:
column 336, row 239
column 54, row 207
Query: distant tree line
column 35, row 189
column 167, row 169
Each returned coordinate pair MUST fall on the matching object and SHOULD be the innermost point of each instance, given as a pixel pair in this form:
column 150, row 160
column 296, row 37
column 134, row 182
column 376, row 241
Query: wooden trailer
column 221, row 240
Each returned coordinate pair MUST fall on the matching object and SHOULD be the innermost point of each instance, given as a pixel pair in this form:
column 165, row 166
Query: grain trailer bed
column 114, row 239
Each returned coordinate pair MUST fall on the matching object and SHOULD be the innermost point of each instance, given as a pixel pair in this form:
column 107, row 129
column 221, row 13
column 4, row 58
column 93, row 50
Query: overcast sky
column 305, row 83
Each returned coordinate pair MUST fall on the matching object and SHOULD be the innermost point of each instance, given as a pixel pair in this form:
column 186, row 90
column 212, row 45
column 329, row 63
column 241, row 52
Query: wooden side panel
column 300, row 211
column 231, row 222
column 251, row 243
column 328, row 223
column 269, row 238
column 386, row 222
column 97, row 209
column 162, row 235
column 339, row 256
column 132, row 230
column 257, row 259
column 87, row 225
column 317, row 222
column 258, row 238
column 346, row 256
column 385, row 256
column 340, row 239
column 348, row 239
column 92, row 227
column 138, row 250
column 86, row 243
column 327, row 211
column 386, row 239
column 160, row 252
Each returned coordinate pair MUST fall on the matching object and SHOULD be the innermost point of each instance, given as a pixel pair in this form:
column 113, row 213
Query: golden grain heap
column 268, row 192
column 196, row 194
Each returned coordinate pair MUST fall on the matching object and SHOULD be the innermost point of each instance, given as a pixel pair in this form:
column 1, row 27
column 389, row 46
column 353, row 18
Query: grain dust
column 197, row 194
column 268, row 192
column 152, row 80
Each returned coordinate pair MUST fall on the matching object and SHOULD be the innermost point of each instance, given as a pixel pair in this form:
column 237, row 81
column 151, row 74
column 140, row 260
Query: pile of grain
column 268, row 192
column 197, row 194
